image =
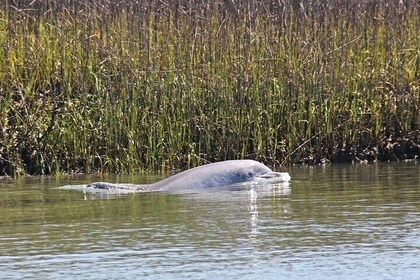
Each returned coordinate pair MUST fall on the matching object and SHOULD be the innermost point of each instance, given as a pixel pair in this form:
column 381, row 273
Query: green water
column 332, row 222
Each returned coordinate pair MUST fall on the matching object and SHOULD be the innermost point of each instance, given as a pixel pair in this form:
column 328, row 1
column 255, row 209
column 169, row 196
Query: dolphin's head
column 256, row 171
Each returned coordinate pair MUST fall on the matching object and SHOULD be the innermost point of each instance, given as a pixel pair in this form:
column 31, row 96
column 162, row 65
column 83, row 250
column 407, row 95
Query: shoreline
column 174, row 171
column 368, row 155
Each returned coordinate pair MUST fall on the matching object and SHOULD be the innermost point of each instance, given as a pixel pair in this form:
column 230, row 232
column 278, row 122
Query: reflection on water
column 340, row 221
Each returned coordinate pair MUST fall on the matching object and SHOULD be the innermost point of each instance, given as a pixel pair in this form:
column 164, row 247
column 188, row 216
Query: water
column 333, row 222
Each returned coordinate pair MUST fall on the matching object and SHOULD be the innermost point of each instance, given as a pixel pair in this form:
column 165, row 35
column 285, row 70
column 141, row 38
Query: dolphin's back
column 216, row 174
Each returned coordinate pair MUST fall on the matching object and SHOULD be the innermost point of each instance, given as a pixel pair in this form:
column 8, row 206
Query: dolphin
column 217, row 174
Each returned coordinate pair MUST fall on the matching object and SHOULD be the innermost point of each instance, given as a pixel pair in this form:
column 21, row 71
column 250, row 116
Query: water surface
column 332, row 222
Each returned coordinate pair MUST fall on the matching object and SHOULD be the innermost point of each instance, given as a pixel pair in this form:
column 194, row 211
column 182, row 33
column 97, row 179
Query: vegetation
column 124, row 86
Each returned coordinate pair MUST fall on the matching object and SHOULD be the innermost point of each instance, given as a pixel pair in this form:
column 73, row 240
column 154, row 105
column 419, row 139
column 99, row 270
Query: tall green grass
column 123, row 86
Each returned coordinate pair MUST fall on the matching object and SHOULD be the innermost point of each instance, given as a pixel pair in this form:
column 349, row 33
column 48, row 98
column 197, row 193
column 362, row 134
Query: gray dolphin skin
column 217, row 174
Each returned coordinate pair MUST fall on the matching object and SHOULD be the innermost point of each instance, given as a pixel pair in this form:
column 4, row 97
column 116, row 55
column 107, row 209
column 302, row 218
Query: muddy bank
column 387, row 148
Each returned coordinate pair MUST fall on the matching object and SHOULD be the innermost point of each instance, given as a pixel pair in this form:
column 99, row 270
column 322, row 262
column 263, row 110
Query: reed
column 128, row 86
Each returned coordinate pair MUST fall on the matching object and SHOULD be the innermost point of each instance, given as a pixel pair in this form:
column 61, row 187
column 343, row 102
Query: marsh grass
column 123, row 86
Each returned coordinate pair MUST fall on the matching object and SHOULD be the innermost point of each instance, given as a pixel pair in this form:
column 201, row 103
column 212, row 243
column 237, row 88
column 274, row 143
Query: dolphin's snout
column 276, row 176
